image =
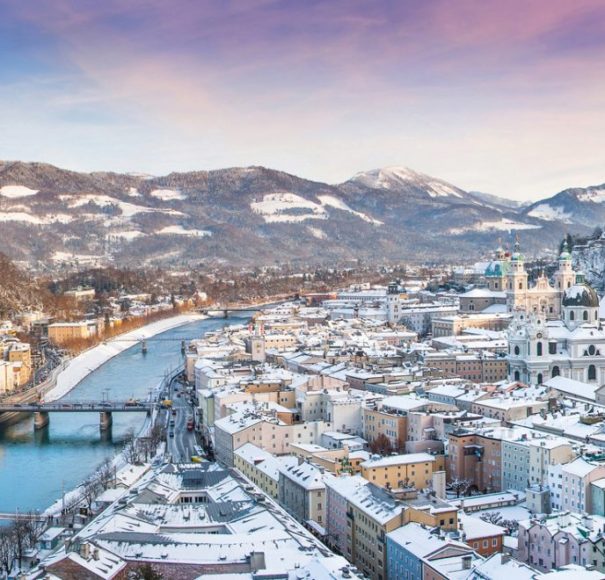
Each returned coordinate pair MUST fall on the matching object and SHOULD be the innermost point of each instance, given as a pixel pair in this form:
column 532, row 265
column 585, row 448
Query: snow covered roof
column 403, row 459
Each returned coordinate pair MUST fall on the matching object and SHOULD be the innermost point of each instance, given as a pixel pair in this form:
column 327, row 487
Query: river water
column 36, row 465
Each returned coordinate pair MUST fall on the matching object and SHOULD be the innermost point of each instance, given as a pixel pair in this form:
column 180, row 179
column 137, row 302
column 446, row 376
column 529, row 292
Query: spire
column 517, row 249
column 565, row 255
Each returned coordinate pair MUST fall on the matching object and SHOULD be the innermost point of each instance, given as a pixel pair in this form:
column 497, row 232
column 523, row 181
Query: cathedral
column 555, row 329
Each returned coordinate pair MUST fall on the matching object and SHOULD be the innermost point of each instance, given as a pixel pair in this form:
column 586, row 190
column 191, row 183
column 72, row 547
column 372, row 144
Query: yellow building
column 20, row 352
column 397, row 471
column 262, row 467
column 64, row 332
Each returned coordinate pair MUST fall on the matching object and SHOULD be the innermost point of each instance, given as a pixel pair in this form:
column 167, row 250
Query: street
column 181, row 444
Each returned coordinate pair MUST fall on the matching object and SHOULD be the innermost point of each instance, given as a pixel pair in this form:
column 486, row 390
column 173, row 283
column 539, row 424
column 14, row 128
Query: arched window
column 517, row 350
column 585, row 315
column 539, row 349
column 592, row 373
column 517, row 376
column 572, row 315
column 555, row 371
column 539, row 378
column 520, row 285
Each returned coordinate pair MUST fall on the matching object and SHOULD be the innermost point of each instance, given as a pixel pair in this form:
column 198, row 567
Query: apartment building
column 263, row 430
column 261, row 467
column 302, row 492
column 400, row 471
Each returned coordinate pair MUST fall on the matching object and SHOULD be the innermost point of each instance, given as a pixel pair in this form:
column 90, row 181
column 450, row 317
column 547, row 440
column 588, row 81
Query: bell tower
column 564, row 276
column 516, row 292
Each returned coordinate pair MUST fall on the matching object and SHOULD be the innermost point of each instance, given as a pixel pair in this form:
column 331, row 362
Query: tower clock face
column 539, row 335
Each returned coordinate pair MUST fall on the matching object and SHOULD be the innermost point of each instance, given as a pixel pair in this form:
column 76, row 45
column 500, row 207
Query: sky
column 505, row 97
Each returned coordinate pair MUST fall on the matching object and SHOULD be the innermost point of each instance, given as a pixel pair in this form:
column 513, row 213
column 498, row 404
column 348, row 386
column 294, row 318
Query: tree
column 106, row 474
column 381, row 445
column 145, row 572
column 89, row 490
column 7, row 550
column 460, row 486
column 492, row 518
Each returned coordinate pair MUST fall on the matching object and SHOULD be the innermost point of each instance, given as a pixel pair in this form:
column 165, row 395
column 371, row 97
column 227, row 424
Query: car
column 171, row 433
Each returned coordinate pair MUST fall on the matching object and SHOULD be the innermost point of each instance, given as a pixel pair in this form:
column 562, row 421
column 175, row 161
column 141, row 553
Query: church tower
column 516, row 293
column 564, row 276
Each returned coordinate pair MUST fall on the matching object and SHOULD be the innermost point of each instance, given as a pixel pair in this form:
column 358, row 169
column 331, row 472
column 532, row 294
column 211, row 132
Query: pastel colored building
column 395, row 471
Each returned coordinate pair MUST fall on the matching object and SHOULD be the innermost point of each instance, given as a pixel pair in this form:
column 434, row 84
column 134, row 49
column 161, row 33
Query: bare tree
column 7, row 550
column 381, row 445
column 145, row 572
column 106, row 474
column 460, row 486
column 492, row 518
column 89, row 490
column 131, row 450
column 20, row 538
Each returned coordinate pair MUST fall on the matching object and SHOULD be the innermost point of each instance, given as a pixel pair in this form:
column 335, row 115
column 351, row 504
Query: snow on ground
column 21, row 216
column 394, row 177
column 286, row 208
column 594, row 195
column 178, row 230
column 70, row 257
column 15, row 191
column 128, row 209
column 273, row 206
column 550, row 213
column 127, row 235
column 90, row 360
column 167, row 194
column 438, row 189
column 501, row 225
column 317, row 233
column 133, row 192
column 330, row 200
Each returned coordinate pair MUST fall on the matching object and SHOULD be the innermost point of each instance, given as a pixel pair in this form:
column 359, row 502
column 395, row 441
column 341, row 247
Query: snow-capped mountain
column 251, row 215
column 402, row 179
column 580, row 206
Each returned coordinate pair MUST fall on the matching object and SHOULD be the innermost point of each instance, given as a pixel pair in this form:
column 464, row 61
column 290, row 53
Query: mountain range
column 52, row 217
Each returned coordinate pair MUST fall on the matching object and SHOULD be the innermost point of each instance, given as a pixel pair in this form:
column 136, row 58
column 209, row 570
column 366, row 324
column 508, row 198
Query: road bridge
column 104, row 408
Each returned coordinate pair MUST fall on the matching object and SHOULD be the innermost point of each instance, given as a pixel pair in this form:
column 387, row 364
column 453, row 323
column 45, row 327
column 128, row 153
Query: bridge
column 104, row 408
column 216, row 311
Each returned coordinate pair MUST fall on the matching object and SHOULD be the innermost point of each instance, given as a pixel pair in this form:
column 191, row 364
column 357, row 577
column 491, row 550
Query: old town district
column 399, row 433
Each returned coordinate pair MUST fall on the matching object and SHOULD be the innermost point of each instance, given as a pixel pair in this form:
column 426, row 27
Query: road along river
column 35, row 466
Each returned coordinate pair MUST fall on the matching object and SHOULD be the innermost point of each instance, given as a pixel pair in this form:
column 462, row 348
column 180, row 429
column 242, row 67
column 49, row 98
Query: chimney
column 85, row 550
column 95, row 554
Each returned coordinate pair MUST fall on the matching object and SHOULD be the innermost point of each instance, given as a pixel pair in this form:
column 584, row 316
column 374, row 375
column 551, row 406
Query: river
column 36, row 466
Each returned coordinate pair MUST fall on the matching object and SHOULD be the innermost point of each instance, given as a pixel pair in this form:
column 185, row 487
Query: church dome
column 581, row 294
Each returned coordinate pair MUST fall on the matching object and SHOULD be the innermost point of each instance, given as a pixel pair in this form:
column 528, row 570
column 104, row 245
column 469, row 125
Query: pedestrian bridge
column 104, row 408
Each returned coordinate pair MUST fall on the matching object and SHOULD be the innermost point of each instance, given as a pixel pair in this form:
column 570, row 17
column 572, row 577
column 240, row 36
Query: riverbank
column 85, row 363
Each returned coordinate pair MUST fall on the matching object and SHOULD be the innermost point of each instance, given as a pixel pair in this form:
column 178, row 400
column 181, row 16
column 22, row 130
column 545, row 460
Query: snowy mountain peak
column 396, row 178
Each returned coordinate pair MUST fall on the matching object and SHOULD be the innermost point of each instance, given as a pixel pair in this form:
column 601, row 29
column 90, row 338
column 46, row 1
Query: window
column 552, row 348
column 494, row 542
column 540, row 378
column 485, row 543
column 517, row 350
column 539, row 349
column 572, row 315
column 555, row 371
column 592, row 350
column 592, row 373
column 585, row 315
column 517, row 376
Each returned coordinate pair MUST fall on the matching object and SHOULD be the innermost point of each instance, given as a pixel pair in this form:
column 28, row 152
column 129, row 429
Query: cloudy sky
column 505, row 97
